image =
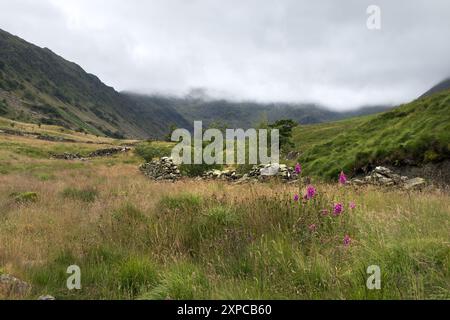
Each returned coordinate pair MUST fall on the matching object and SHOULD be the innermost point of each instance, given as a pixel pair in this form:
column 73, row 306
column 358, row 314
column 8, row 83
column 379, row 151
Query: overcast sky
column 285, row 50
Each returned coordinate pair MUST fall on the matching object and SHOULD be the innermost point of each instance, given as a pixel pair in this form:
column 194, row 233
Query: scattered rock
column 229, row 175
column 108, row 152
column 293, row 155
column 382, row 176
column 11, row 287
column 415, row 183
column 47, row 297
column 270, row 170
column 257, row 173
column 163, row 169
column 68, row 156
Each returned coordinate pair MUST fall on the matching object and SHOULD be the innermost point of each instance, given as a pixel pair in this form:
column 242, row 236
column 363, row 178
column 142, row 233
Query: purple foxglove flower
column 347, row 240
column 338, row 208
column 342, row 178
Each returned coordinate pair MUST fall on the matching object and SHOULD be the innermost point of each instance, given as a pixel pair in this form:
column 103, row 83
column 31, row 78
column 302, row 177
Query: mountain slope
column 39, row 86
column 441, row 86
column 414, row 133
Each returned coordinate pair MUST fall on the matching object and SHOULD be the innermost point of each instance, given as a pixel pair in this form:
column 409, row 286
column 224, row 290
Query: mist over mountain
column 245, row 114
column 37, row 85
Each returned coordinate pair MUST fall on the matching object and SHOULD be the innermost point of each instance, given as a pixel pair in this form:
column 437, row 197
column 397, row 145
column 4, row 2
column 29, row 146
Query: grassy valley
column 64, row 203
column 134, row 238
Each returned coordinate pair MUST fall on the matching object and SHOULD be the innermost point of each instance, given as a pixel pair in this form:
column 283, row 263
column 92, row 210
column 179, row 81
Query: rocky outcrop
column 11, row 287
column 382, row 176
column 163, row 169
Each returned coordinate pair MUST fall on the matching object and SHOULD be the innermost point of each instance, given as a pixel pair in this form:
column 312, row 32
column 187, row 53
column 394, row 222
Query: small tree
column 172, row 128
column 285, row 128
column 219, row 125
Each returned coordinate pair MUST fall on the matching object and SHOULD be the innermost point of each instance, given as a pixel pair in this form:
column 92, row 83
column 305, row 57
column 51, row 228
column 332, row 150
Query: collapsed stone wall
column 163, row 169
column 166, row 169
column 98, row 153
column 257, row 173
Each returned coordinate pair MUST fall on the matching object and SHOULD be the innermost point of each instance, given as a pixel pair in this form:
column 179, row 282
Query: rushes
column 86, row 195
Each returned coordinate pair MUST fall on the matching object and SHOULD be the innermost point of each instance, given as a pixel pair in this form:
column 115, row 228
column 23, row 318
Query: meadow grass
column 134, row 238
column 137, row 239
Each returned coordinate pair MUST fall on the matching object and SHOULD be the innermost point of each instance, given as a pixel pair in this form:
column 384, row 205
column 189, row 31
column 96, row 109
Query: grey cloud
column 284, row 50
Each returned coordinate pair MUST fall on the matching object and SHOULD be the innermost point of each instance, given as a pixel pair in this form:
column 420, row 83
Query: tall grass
column 137, row 239
column 223, row 241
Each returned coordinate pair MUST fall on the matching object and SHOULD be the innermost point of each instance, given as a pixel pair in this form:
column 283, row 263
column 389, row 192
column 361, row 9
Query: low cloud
column 289, row 50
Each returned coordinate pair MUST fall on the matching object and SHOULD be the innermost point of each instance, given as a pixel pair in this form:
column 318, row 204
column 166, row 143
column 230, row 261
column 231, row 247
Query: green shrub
column 244, row 168
column 25, row 197
column 45, row 176
column 86, row 195
column 129, row 228
column 431, row 156
column 184, row 282
column 3, row 107
column 28, row 95
column 184, row 201
column 136, row 274
column 128, row 214
column 223, row 216
column 149, row 151
column 197, row 170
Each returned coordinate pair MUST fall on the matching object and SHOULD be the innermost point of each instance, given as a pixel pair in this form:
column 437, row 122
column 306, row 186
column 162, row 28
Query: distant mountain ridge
column 247, row 114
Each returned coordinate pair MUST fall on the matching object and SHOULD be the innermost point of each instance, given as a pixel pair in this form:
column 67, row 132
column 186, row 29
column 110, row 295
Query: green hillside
column 38, row 86
column 414, row 133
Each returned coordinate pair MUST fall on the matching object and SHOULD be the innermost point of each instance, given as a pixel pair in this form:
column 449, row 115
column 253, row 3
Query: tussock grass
column 138, row 239
column 86, row 195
